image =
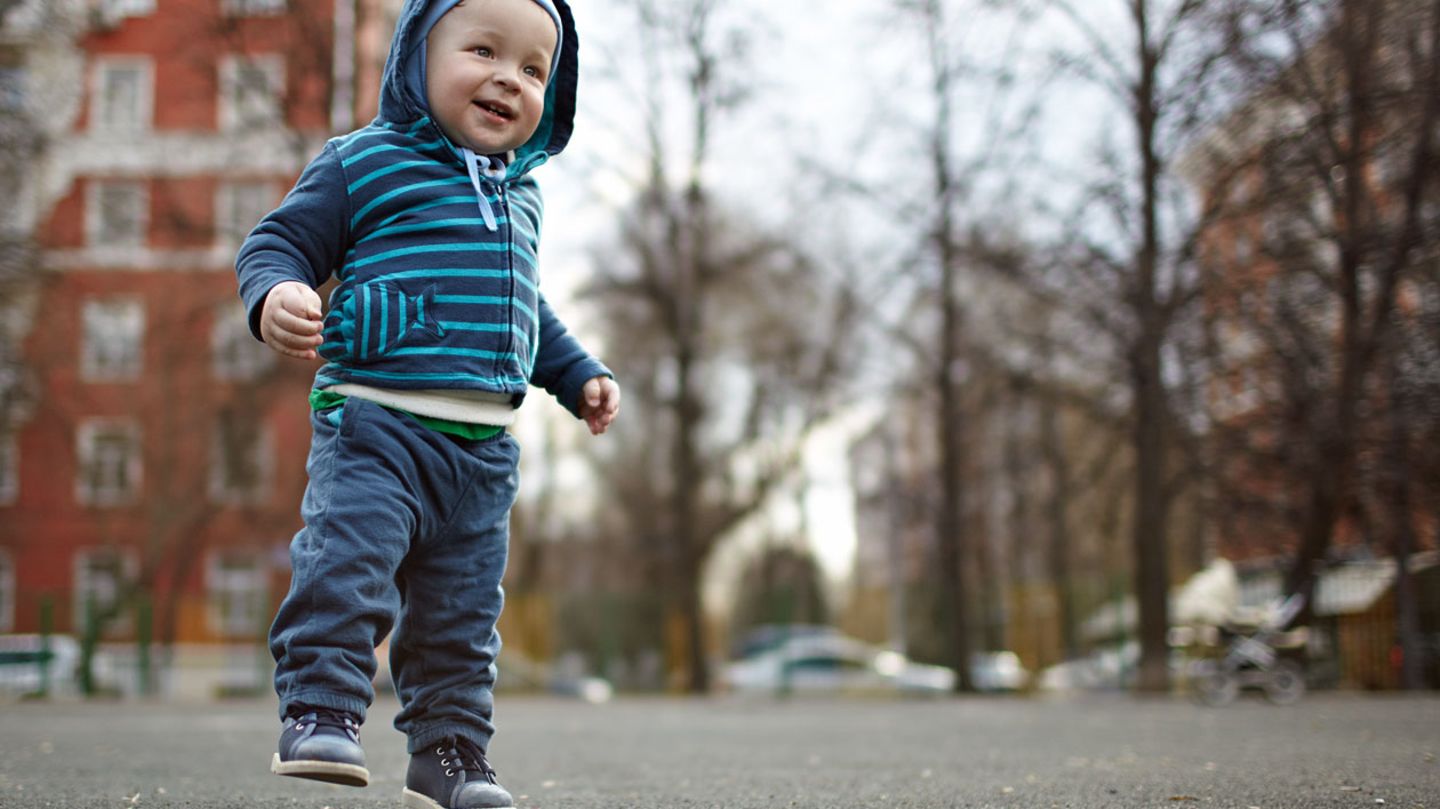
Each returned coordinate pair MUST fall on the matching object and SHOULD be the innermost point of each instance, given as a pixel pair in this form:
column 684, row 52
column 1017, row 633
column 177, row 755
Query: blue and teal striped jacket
column 428, row 297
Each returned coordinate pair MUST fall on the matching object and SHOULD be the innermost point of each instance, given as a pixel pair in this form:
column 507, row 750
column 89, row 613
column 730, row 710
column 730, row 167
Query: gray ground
column 1096, row 751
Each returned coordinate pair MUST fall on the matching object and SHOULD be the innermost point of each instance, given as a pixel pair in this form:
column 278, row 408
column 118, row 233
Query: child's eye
column 483, row 51
column 533, row 71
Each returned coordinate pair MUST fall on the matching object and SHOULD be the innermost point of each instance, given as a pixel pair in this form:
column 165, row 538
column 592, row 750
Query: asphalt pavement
column 1330, row 750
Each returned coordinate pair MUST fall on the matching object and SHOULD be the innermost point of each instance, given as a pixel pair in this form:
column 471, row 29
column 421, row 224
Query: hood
column 400, row 104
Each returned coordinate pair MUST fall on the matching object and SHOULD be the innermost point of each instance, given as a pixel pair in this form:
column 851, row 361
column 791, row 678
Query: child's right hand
column 290, row 322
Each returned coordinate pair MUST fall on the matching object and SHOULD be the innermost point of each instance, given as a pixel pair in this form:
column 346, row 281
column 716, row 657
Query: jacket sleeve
column 563, row 366
column 302, row 240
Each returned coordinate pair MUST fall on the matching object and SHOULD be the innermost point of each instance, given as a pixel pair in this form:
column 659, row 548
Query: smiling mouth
column 495, row 109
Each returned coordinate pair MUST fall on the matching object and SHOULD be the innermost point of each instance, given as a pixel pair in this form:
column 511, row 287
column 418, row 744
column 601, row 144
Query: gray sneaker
column 453, row 774
column 322, row 745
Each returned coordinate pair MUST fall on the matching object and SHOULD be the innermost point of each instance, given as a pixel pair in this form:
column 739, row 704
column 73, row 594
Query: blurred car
column 765, row 637
column 31, row 664
column 833, row 663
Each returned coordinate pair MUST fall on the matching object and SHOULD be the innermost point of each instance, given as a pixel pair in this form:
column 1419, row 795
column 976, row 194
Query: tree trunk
column 950, row 417
column 950, row 526
column 1402, row 523
column 1056, row 507
column 1151, row 568
column 1149, row 540
column 687, row 484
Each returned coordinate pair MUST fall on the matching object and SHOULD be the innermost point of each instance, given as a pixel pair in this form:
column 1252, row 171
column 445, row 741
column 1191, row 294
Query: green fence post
column 47, row 626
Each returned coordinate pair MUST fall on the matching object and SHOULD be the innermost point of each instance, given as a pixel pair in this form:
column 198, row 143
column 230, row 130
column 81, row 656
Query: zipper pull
column 472, row 161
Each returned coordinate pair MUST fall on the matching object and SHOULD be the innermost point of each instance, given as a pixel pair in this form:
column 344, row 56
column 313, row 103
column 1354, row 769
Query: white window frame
column 86, row 582
column 237, row 598
column 225, row 491
column 98, row 231
column 9, row 469
column 232, row 116
column 102, row 119
column 255, row 8
column 86, row 436
column 7, row 592
column 123, row 337
column 236, row 216
column 236, row 355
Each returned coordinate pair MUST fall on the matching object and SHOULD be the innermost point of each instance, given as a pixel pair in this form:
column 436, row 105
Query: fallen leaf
column 1183, row 798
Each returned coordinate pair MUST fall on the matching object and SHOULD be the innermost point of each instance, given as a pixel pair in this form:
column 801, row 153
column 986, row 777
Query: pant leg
column 360, row 515
column 444, row 647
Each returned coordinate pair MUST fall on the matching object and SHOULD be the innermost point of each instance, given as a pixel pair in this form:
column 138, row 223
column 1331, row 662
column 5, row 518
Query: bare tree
column 22, row 143
column 1341, row 206
column 732, row 337
column 1134, row 269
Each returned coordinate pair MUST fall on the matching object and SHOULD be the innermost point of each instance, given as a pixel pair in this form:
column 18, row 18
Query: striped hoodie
column 435, row 250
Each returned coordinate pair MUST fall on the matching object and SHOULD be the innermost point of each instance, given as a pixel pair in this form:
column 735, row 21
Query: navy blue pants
column 401, row 522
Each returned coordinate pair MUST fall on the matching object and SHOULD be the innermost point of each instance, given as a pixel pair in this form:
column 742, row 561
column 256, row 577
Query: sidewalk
column 655, row 753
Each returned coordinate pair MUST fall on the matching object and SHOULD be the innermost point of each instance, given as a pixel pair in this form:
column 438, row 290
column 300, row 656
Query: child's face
column 486, row 65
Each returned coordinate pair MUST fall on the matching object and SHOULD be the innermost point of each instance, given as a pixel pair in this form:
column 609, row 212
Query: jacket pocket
column 376, row 318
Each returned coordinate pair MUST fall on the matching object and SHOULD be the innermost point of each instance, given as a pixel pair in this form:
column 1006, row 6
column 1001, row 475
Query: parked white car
column 834, row 664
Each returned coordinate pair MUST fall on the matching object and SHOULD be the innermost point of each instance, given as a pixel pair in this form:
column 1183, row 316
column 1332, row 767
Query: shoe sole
column 331, row 772
column 414, row 800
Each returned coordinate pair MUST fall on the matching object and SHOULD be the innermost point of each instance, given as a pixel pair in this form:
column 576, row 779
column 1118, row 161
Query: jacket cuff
column 574, row 381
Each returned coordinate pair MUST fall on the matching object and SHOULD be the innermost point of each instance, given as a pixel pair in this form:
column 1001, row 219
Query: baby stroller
column 1260, row 654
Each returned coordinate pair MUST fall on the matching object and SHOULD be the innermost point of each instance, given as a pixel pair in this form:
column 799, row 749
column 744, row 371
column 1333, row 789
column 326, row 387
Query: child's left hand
column 599, row 402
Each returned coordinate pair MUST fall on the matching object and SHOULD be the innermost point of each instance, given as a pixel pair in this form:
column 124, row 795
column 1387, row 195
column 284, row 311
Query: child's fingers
column 288, row 342
column 298, row 300
column 285, row 320
column 293, row 345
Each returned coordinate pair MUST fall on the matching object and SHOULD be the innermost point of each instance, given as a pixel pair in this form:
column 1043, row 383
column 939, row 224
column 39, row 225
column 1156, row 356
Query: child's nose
column 508, row 76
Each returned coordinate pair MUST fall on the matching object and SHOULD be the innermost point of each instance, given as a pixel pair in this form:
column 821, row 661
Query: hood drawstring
column 494, row 170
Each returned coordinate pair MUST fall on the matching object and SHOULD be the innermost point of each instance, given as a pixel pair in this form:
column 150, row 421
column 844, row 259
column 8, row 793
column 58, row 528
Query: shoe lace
column 327, row 718
column 461, row 754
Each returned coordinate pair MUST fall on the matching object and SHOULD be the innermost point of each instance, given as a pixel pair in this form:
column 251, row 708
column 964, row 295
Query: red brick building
column 151, row 485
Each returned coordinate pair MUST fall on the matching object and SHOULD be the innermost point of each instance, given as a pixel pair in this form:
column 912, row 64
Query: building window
column 238, row 355
column 7, row 592
column 254, row 8
column 118, row 213
column 9, row 470
column 123, row 96
column 109, row 463
column 101, row 578
column 242, row 452
column 236, row 584
column 112, row 341
column 239, row 207
column 250, row 91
